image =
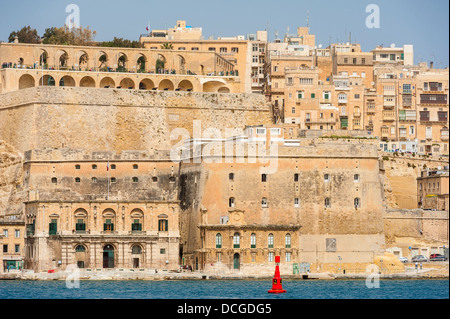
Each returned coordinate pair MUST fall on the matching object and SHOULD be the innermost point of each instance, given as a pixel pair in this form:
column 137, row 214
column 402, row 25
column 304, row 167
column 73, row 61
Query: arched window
column 54, row 180
column 135, row 166
column 236, row 240
column 231, row 202
column 135, row 179
column 154, row 179
column 263, row 178
column 356, row 177
column 270, row 241
column 287, row 241
column 136, row 249
column 77, row 166
column 253, row 240
column 94, row 180
column 80, row 249
column 357, row 202
column 172, row 179
column 94, row 166
column 218, row 240
column 231, row 176
column 113, row 180
column 77, row 180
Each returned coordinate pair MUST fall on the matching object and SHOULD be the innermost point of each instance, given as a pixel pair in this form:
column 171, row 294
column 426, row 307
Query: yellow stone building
column 13, row 244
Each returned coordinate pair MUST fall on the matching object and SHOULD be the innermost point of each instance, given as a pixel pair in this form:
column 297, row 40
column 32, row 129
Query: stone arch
column 223, row 89
column 87, row 81
column 166, row 85
column 107, row 82
column 82, row 59
column 127, row 83
column 47, row 80
column 122, row 61
column 61, row 59
column 185, row 85
column 141, row 62
column 43, row 57
column 67, row 80
column 137, row 213
column 26, row 81
column 160, row 63
column 181, row 64
column 146, row 84
column 213, row 86
column 102, row 59
column 81, row 255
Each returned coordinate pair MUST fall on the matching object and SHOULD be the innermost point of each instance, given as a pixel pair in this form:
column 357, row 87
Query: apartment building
column 246, row 53
column 13, row 243
column 433, row 189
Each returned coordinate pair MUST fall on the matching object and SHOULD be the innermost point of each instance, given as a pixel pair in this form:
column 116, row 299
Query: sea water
column 225, row 289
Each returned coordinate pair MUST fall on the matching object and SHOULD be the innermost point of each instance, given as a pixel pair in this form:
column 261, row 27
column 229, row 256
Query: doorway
column 108, row 256
column 236, row 261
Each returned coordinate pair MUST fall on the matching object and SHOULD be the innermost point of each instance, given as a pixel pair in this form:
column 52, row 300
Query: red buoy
column 276, row 281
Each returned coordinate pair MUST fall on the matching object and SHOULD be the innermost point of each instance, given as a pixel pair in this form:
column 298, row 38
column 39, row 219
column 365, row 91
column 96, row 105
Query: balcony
column 444, row 135
column 424, row 116
column 407, row 115
column 389, row 104
column 433, row 99
column 389, row 116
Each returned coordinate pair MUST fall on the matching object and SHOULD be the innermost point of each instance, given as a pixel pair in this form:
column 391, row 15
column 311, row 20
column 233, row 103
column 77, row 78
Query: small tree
column 25, row 35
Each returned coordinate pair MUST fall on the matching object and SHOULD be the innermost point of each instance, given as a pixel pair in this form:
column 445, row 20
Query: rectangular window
column 270, row 256
column 17, row 233
column 163, row 225
column 108, row 225
column 288, row 256
column 5, row 248
column 53, row 227
column 313, row 95
column 296, row 202
column 17, row 248
column 5, row 233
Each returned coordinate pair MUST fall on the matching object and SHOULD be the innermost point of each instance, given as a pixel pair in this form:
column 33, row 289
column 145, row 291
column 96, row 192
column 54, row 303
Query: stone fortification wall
column 11, row 177
column 113, row 119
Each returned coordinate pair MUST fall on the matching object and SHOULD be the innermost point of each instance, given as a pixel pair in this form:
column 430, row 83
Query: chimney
column 16, row 39
column 431, row 64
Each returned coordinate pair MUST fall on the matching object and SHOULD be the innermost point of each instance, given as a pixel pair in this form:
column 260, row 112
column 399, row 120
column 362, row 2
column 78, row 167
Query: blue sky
column 425, row 24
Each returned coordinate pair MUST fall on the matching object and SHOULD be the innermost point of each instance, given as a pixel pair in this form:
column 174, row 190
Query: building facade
column 13, row 244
